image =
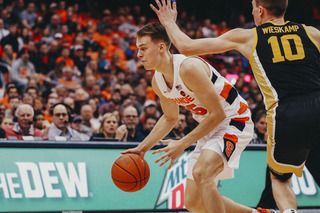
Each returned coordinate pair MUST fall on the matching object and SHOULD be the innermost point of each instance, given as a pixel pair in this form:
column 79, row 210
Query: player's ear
column 161, row 47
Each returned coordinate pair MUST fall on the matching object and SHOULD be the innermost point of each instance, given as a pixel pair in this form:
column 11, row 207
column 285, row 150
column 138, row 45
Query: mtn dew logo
column 173, row 186
column 45, row 180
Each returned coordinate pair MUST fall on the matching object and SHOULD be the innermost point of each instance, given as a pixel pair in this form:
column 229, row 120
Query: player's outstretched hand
column 173, row 151
column 165, row 13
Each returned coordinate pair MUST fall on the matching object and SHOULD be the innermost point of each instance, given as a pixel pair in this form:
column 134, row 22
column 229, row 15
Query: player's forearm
column 179, row 39
column 160, row 131
column 207, row 125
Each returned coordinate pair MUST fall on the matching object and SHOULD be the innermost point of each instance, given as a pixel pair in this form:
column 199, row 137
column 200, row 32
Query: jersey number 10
column 288, row 53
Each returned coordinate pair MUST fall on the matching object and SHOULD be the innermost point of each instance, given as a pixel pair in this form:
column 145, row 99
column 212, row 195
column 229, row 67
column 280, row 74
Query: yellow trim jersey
column 285, row 61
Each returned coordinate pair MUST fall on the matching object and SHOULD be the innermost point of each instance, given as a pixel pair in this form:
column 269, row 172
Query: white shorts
column 229, row 142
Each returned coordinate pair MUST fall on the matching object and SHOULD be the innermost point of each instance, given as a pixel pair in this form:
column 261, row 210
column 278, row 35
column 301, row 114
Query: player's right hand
column 135, row 150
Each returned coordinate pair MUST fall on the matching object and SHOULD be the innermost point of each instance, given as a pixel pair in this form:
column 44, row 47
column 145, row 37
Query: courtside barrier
column 51, row 176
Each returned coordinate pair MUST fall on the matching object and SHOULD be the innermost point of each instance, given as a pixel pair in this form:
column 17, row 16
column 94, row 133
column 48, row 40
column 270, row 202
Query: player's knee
column 203, row 174
column 283, row 177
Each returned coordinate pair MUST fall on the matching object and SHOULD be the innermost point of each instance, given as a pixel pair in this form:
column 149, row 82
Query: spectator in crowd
column 80, row 99
column 23, row 127
column 50, row 102
column 150, row 122
column 6, row 121
column 59, row 128
column 129, row 25
column 110, row 129
column 53, row 76
column 3, row 31
column 11, row 90
column 14, row 102
column 96, row 119
column 2, row 111
column 11, row 38
column 76, row 124
column 28, row 16
column 31, row 90
column 132, row 64
column 86, row 116
column 90, row 44
column 131, row 120
column 68, row 79
column 105, row 21
column 28, row 99
column 8, row 55
column 38, row 120
column 79, row 58
column 54, row 25
column 69, row 101
column 65, row 56
column 113, row 105
column 21, row 70
column 178, row 131
column 260, row 128
column 42, row 64
column 149, row 109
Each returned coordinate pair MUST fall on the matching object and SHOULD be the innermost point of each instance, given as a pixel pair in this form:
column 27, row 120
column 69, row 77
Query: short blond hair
column 105, row 117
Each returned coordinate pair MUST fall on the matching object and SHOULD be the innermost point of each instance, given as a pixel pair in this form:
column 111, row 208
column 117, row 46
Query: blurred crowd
column 82, row 77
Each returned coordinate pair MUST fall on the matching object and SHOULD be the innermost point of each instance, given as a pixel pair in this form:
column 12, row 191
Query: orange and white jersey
column 234, row 105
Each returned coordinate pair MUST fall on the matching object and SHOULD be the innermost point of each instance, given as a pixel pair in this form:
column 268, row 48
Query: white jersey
column 231, row 137
column 234, row 105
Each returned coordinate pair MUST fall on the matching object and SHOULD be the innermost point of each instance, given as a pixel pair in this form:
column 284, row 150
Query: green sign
column 57, row 179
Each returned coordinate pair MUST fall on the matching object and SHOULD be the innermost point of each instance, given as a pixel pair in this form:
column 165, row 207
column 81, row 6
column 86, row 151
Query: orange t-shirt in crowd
column 63, row 14
column 115, row 48
column 69, row 61
column 67, row 40
column 47, row 117
column 67, row 83
column 5, row 101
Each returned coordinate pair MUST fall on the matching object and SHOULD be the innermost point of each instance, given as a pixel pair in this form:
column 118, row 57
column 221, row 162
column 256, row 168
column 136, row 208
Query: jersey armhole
column 308, row 33
column 254, row 44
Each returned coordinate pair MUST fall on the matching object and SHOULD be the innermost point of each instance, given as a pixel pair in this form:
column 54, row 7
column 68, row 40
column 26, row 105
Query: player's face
column 148, row 52
column 256, row 13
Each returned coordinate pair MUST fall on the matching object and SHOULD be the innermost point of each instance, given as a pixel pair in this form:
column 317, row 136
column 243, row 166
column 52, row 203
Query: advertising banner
column 59, row 179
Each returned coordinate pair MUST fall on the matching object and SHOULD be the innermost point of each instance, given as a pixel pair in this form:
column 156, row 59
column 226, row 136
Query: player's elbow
column 219, row 115
column 186, row 50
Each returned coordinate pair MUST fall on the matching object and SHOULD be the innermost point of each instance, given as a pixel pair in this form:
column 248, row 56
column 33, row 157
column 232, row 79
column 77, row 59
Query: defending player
column 285, row 59
column 224, row 129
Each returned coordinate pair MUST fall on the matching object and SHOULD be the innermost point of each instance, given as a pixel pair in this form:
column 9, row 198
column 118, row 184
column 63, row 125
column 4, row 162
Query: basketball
column 130, row 172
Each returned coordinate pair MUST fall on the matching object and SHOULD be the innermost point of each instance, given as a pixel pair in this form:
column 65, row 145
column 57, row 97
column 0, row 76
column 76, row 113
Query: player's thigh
column 291, row 130
column 209, row 165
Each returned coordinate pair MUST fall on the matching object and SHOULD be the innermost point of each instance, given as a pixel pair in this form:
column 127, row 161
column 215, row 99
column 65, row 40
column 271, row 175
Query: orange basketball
column 130, row 172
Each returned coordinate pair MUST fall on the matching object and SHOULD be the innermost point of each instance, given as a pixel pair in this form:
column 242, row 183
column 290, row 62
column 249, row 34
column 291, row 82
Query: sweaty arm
column 195, row 75
column 165, row 124
column 236, row 39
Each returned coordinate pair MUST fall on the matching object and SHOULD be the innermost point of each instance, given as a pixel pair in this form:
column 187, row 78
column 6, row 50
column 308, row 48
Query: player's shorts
column 228, row 140
column 293, row 130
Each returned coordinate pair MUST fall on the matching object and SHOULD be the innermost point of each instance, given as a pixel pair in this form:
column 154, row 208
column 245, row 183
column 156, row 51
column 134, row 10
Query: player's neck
column 166, row 67
column 274, row 20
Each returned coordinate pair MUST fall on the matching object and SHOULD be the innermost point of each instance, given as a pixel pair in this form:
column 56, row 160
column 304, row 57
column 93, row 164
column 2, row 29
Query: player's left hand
column 165, row 13
column 173, row 151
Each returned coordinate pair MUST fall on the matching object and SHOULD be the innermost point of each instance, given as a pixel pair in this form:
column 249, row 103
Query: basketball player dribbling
column 225, row 127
